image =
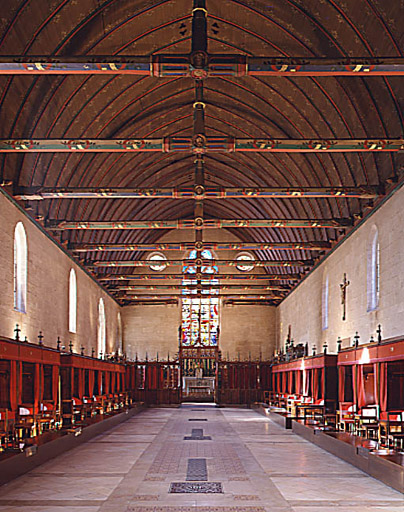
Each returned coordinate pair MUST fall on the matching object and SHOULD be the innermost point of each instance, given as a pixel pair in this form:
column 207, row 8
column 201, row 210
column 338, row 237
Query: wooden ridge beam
column 197, row 192
column 189, row 246
column 198, row 223
column 199, row 145
column 199, row 65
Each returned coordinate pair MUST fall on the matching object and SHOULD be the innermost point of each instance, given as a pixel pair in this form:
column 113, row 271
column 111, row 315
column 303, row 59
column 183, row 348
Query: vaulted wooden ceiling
column 126, row 107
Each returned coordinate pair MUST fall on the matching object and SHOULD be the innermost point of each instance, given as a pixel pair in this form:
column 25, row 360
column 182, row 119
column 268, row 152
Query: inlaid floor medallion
column 200, row 487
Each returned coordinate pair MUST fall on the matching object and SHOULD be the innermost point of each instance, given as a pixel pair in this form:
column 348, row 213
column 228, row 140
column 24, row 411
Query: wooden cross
column 343, row 287
column 17, row 331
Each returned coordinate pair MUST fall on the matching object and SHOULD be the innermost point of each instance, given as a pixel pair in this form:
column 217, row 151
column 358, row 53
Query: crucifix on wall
column 343, row 286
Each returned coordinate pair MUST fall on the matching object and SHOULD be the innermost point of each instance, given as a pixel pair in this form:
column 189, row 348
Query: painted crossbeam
column 42, row 193
column 200, row 224
column 215, row 246
column 203, row 296
column 205, row 276
column 182, row 65
column 281, row 288
column 205, row 263
column 200, row 146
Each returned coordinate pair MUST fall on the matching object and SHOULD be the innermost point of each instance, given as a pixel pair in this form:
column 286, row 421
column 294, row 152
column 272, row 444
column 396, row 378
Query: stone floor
column 259, row 467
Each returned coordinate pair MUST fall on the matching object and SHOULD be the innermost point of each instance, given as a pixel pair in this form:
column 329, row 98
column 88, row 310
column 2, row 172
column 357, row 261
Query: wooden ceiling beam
column 199, row 145
column 192, row 65
column 197, row 192
column 246, row 287
column 189, row 246
column 198, row 223
column 205, row 263
column 206, row 277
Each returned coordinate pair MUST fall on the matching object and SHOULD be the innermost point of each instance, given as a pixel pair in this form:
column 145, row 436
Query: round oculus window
column 245, row 256
column 157, row 257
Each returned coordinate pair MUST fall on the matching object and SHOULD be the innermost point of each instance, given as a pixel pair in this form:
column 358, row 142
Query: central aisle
column 259, row 466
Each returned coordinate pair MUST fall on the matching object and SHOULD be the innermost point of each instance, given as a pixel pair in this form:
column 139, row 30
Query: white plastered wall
column 48, row 290
column 302, row 308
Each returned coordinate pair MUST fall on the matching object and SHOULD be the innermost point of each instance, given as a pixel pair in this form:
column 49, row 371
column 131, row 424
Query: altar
column 198, row 385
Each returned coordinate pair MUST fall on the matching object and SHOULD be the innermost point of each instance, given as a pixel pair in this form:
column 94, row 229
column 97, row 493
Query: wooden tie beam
column 279, row 288
column 189, row 246
column 199, row 145
column 205, row 263
column 199, row 66
column 197, row 192
column 199, row 224
column 205, row 277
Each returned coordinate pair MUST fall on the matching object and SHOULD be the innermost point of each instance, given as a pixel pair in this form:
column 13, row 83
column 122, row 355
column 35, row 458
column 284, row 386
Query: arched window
column 101, row 335
column 20, row 268
column 245, row 256
column 72, row 301
column 119, row 334
column 200, row 316
column 373, row 270
column 325, row 294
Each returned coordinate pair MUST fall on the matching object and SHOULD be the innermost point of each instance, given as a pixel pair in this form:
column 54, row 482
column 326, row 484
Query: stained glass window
column 200, row 316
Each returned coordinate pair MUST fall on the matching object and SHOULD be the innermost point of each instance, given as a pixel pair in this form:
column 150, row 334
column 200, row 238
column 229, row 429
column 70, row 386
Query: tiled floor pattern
column 261, row 467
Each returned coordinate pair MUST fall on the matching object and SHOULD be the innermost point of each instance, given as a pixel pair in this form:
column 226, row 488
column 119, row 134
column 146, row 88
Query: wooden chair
column 391, row 428
column 89, row 406
column 346, row 416
column 4, row 429
column 26, row 424
column 47, row 419
column 314, row 412
column 397, row 434
column 367, row 421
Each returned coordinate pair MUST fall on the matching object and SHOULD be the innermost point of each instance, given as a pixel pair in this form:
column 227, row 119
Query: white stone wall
column 151, row 330
column 248, row 331
column 302, row 309
column 48, row 290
